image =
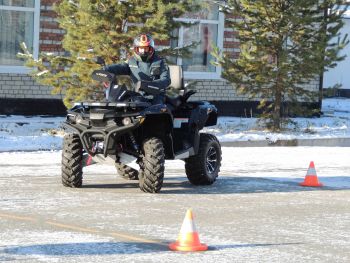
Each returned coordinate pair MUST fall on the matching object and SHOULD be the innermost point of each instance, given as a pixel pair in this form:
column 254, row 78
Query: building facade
column 34, row 22
column 339, row 75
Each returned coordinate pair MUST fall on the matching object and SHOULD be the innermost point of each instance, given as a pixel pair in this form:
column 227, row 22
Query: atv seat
column 173, row 101
column 176, row 77
column 177, row 83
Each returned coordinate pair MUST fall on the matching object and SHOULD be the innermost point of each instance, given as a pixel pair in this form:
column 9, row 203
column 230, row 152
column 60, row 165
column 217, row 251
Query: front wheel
column 72, row 157
column 152, row 168
column 204, row 168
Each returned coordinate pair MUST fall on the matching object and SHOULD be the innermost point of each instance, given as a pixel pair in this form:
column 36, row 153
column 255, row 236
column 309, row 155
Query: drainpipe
column 320, row 86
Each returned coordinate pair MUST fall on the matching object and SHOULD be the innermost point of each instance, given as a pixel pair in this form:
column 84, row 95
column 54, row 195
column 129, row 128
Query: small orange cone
column 311, row 177
column 188, row 239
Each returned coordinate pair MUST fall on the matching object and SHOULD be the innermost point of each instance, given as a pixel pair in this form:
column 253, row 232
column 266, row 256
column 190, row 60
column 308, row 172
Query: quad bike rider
column 138, row 130
column 148, row 72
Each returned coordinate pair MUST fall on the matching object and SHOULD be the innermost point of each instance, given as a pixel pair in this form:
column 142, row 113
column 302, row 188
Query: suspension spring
column 133, row 141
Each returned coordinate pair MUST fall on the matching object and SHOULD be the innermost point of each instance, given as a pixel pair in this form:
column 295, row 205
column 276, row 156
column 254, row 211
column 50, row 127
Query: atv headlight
column 126, row 121
column 78, row 119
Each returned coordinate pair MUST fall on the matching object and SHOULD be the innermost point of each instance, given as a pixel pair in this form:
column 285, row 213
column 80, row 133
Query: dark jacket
column 154, row 74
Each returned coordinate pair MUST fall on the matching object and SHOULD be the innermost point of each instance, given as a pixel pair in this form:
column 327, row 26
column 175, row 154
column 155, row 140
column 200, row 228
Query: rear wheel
column 72, row 155
column 152, row 168
column 127, row 172
column 204, row 168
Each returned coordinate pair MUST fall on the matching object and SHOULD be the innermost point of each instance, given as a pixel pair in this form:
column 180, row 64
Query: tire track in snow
column 119, row 235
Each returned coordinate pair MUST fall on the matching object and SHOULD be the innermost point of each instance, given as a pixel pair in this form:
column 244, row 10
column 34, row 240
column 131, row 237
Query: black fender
column 205, row 114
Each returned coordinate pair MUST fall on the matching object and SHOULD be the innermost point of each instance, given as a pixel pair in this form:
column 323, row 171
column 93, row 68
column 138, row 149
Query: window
column 19, row 22
column 207, row 31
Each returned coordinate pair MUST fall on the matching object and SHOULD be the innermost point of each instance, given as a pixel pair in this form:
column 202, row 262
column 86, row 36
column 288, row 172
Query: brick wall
column 230, row 103
column 221, row 90
column 50, row 33
column 23, row 86
column 214, row 90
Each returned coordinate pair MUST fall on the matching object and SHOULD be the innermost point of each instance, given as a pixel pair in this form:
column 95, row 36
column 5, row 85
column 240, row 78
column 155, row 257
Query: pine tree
column 283, row 46
column 102, row 28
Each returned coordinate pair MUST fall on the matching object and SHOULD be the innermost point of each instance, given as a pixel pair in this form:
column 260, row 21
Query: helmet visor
column 143, row 50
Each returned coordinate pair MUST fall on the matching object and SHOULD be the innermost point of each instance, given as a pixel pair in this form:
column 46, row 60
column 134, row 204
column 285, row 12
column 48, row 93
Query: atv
column 137, row 137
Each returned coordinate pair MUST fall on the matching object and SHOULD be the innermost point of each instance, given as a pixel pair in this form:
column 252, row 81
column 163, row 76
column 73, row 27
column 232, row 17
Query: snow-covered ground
column 335, row 122
column 254, row 212
column 19, row 133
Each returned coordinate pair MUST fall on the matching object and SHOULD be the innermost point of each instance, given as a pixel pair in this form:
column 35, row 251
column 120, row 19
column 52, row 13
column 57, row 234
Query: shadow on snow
column 111, row 248
column 234, row 185
column 238, row 185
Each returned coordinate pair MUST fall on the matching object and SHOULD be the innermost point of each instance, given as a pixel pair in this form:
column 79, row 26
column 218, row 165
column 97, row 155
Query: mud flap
column 87, row 160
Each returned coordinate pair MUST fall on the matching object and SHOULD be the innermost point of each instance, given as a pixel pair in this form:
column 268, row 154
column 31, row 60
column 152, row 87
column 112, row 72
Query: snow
column 247, row 175
column 20, row 133
column 335, row 122
column 272, row 166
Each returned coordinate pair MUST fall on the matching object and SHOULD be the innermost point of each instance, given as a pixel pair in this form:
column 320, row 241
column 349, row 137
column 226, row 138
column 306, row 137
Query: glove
column 147, row 87
column 141, row 85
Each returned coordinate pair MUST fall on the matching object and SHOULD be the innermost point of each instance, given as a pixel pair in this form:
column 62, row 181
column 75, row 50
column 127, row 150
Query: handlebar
column 103, row 76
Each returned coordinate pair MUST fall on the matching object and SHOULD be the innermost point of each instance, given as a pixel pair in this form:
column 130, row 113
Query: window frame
column 36, row 12
column 220, row 42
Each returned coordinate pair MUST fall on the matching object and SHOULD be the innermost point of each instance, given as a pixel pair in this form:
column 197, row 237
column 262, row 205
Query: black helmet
column 144, row 47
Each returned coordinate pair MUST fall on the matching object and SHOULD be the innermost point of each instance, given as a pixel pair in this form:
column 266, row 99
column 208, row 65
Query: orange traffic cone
column 188, row 239
column 311, row 177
